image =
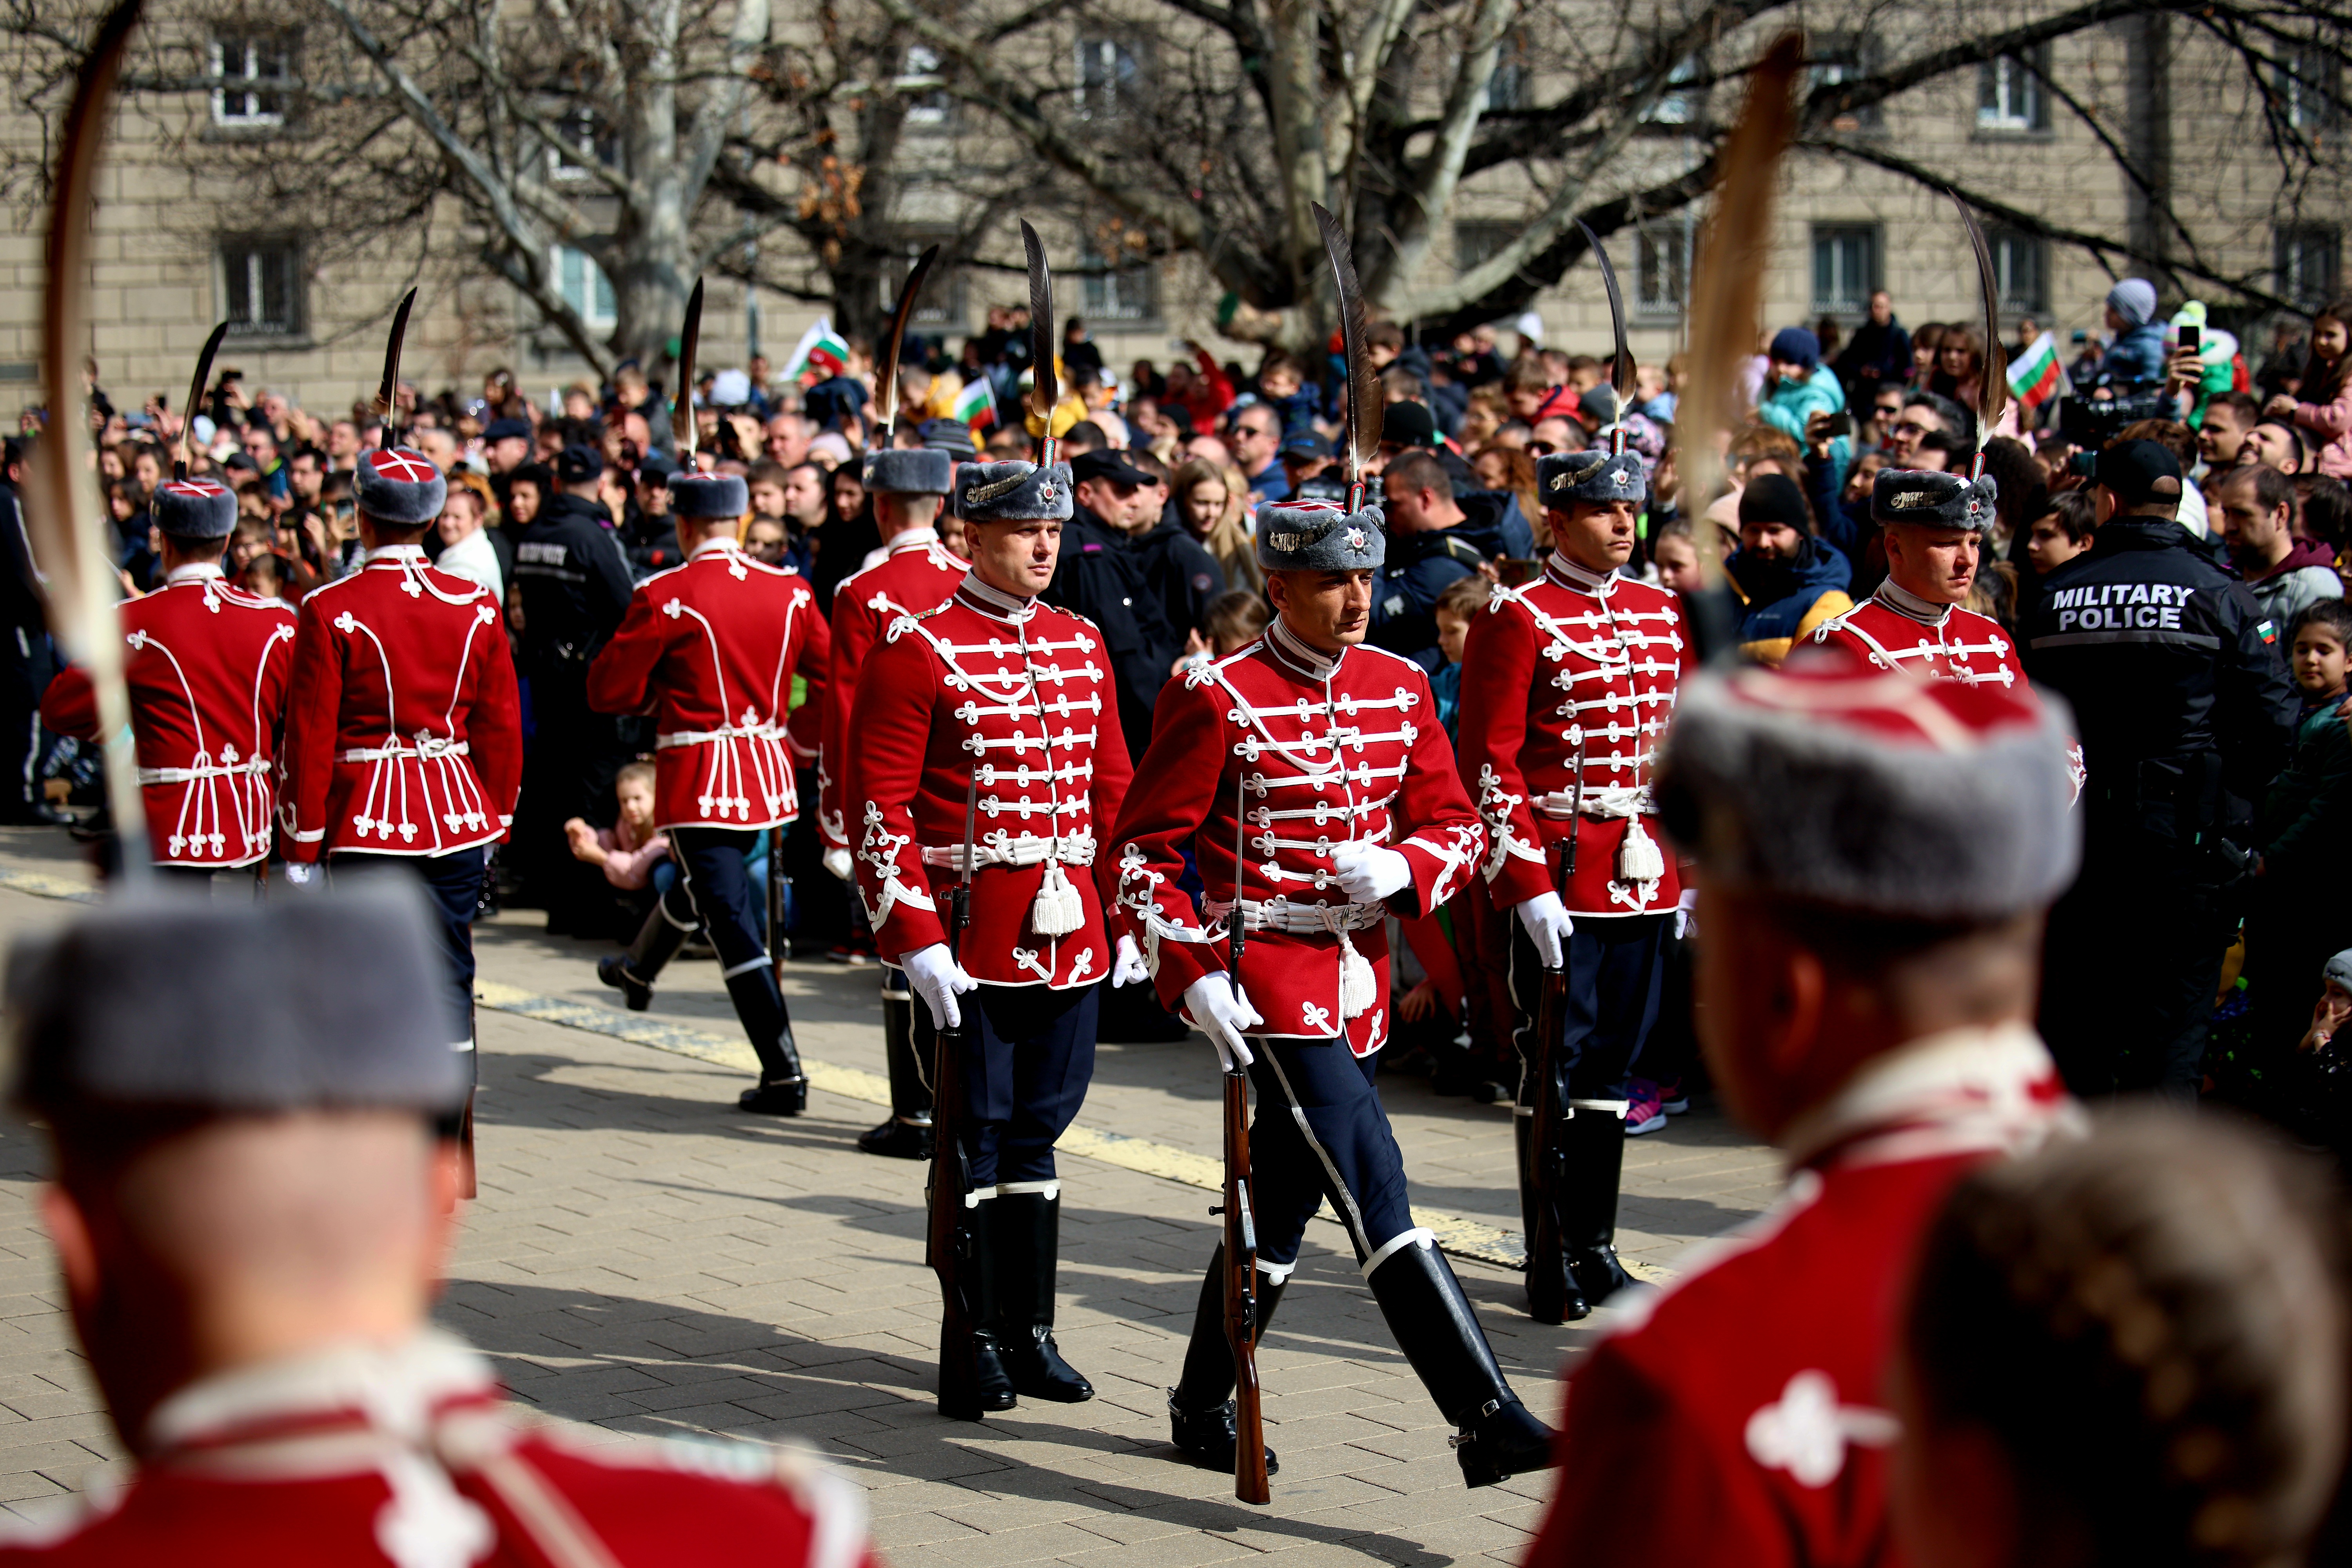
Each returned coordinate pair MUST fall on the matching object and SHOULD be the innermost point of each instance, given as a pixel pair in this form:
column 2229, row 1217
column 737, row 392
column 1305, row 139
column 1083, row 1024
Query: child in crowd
column 2062, row 532
column 263, row 576
column 1675, row 550
column 1234, row 620
column 1280, row 388
column 2324, row 407
column 631, row 850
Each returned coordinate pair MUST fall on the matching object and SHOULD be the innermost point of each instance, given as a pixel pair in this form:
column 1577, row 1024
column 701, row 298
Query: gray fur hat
column 1930, row 500
column 150, row 1002
column 1834, row 784
column 1595, row 477
column 1320, row 536
column 398, row 485
column 709, row 495
column 907, row 471
column 1013, row 491
column 195, row 509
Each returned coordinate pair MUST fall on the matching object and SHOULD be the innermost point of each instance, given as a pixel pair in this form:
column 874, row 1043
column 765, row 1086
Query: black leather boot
column 632, row 973
column 1592, row 1165
column 1201, row 1407
column 1025, row 1232
column 1496, row 1437
column 907, row 1135
column 783, row 1087
column 972, row 1381
column 1553, row 1296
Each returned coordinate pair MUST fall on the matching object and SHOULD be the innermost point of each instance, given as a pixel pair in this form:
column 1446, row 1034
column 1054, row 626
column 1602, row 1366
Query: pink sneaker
column 1643, row 1111
column 1673, row 1098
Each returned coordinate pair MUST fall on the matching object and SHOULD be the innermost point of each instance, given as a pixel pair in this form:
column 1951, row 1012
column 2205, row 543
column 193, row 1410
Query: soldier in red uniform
column 1567, row 687
column 403, row 739
column 207, row 673
column 1934, row 527
column 1318, row 762
column 916, row 574
column 1874, row 855
column 989, row 726
column 710, row 649
column 251, row 1216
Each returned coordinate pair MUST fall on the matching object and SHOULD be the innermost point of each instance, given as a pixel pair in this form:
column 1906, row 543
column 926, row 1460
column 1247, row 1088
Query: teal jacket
column 1788, row 404
column 2308, row 814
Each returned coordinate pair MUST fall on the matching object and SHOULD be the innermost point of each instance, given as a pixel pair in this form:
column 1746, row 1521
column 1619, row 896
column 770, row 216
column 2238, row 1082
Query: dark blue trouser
column 453, row 888
column 1321, row 1131
column 1615, row 972
column 1031, row 1057
column 715, row 883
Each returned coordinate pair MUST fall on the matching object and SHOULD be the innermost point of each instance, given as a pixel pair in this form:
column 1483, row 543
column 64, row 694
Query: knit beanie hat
column 2134, row 299
column 1798, row 346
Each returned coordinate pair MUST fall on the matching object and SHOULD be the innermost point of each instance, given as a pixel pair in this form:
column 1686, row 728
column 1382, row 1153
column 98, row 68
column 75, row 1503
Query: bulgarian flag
column 820, row 349
column 976, row 404
column 2035, row 377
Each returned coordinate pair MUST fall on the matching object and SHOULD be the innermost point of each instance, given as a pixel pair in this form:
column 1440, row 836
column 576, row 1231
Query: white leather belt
column 1299, row 920
column 732, row 733
column 1602, row 804
column 1003, row 849
column 209, row 771
column 429, row 746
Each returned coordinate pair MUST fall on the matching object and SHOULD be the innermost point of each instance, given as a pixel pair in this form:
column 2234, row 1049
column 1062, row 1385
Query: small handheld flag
column 821, row 348
column 2035, row 377
column 976, row 404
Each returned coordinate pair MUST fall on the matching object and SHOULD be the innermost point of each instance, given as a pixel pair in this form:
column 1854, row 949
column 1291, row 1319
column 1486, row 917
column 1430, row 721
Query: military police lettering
column 2121, row 607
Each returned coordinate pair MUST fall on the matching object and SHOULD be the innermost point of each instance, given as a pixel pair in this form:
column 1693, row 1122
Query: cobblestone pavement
column 645, row 1257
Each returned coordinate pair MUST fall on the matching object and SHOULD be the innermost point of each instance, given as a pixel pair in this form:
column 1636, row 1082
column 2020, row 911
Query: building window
column 261, row 286
column 2021, row 266
column 1662, row 269
column 1678, row 105
column 1110, row 81
column 929, row 104
column 940, row 306
column 583, row 286
column 2010, row 95
column 240, row 62
column 2310, row 88
column 1838, row 59
column 1510, row 86
column 2309, row 259
column 581, row 143
column 1474, row 243
column 1845, row 267
column 1128, row 294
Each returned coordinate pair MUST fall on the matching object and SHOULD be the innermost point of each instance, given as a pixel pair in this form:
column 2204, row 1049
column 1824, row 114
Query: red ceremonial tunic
column 711, row 648
column 1895, row 629
column 403, row 733
column 1573, row 660
column 1014, row 699
column 1739, row 1416
column 1329, row 752
column 207, row 671
column 917, row 574
column 407, row 1457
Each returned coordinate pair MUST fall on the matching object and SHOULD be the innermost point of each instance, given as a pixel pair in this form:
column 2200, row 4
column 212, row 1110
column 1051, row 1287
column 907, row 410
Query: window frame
column 1849, row 55
column 929, row 110
column 1467, row 255
column 253, row 249
column 1675, row 110
column 2004, row 244
column 2286, row 239
column 251, row 44
column 2026, row 76
column 949, row 282
column 1120, row 106
column 1094, row 290
column 1511, row 85
column 2307, row 69
column 1677, row 235
column 1874, row 268
column 585, row 307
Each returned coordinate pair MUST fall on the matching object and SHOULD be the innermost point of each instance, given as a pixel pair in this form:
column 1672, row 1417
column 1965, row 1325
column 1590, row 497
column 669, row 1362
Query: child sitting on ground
column 628, row 849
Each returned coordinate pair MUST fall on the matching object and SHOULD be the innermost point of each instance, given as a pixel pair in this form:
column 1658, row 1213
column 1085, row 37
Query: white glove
column 1129, row 967
column 1686, row 913
column 939, row 980
column 1369, row 872
column 1223, row 1014
column 1548, row 927
column 837, row 861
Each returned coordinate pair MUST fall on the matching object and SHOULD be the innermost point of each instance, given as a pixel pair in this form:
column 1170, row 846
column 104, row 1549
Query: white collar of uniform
column 1966, row 1089
column 194, row 571
column 397, row 1386
column 707, row 545
column 1584, row 579
column 995, row 602
column 1910, row 606
column 395, row 555
column 1292, row 649
column 908, row 539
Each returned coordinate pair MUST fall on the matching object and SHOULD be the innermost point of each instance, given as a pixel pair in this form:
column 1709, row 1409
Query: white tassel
column 1638, row 858
column 1058, row 910
column 1356, row 992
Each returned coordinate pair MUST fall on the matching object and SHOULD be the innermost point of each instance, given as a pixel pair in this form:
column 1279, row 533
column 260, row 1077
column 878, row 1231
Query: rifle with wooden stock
column 1545, row 1244
column 947, row 1243
column 1249, row 1484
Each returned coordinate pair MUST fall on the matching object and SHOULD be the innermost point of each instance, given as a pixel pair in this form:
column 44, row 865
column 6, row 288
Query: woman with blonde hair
column 1211, row 498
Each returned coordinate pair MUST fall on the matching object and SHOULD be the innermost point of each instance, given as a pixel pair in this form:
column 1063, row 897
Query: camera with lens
column 2093, row 423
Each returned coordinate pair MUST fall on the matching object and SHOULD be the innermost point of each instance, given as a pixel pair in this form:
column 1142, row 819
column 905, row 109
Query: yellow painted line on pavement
column 41, row 885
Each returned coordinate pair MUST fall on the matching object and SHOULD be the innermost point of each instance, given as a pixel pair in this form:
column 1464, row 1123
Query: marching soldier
column 1314, row 754
column 917, row 573
column 1567, row 685
column 250, row 1215
column 207, row 674
column 711, row 648
column 1934, row 527
column 403, row 738
column 1875, row 855
column 987, row 735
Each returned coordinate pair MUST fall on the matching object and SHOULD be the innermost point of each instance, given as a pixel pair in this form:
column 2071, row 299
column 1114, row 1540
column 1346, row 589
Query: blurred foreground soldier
column 252, row 1211
column 916, row 574
column 2126, row 1350
column 1567, row 686
column 1313, row 752
column 1934, row 527
column 207, row 672
column 1874, row 854
column 710, row 649
column 2187, row 712
column 987, row 728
